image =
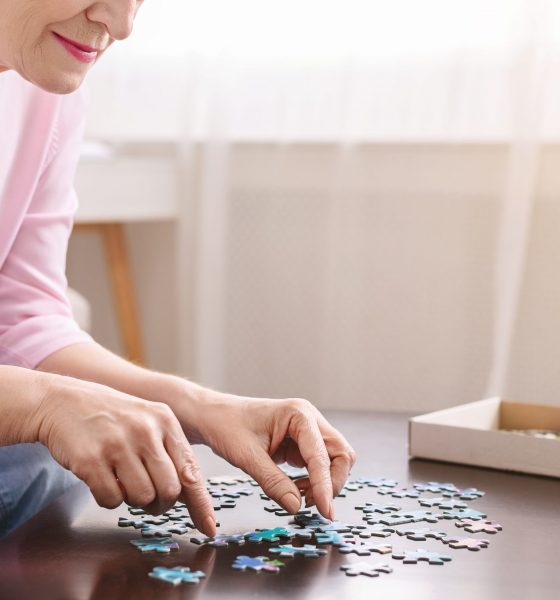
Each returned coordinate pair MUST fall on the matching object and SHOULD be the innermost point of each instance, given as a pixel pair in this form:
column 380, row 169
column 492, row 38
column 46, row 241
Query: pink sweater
column 40, row 137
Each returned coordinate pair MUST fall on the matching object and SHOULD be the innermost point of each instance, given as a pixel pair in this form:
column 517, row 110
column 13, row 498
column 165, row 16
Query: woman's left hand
column 256, row 433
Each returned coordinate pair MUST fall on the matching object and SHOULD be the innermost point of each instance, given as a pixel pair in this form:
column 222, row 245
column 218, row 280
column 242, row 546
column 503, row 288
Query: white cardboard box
column 471, row 434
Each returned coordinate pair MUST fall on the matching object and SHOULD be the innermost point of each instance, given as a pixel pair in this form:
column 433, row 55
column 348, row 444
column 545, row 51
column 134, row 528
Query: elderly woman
column 124, row 430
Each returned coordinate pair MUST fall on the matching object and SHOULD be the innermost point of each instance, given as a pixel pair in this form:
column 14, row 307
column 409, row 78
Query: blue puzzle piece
column 333, row 526
column 257, row 563
column 162, row 545
column 313, row 521
column 412, row 557
column 306, row 550
column 333, row 537
column 464, row 494
column 176, row 575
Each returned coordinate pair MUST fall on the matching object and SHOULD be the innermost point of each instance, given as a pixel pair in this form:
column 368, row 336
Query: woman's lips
column 79, row 51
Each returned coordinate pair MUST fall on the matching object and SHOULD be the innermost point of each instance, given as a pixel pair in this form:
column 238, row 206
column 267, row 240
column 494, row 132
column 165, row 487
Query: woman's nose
column 116, row 15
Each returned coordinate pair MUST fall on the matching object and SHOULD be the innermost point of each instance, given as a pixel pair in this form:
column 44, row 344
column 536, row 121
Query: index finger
column 304, row 430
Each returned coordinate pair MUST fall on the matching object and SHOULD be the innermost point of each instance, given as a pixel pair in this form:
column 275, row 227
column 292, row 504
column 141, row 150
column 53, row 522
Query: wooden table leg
column 118, row 267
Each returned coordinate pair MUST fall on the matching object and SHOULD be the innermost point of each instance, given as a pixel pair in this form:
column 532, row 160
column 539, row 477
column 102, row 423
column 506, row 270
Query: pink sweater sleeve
column 35, row 316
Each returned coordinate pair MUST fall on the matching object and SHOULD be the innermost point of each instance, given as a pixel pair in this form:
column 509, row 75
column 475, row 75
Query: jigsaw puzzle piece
column 377, row 482
column 364, row 568
column 442, row 503
column 399, row 493
column 464, row 494
column 435, row 487
column 374, row 507
column 412, row 557
column 409, row 516
column 479, row 526
column 306, row 550
column 257, row 563
column 294, row 472
column 467, row 513
column 420, row 535
column 162, row 545
column 368, row 531
column 228, row 480
column 142, row 521
column 166, row 530
column 364, row 548
column 333, row 537
column 222, row 539
column 176, row 575
column 470, row 543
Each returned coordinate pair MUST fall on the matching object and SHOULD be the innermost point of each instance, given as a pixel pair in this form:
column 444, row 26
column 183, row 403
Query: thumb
column 275, row 483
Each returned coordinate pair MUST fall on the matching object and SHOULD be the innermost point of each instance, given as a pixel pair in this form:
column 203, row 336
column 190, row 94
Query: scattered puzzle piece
column 176, row 575
column 412, row 557
column 367, row 531
column 163, row 545
column 141, row 522
column 165, row 530
column 476, row 526
column 364, row 568
column 374, row 507
column 400, row 493
column 409, row 516
column 333, row 537
column 294, row 472
column 313, row 521
column 224, row 503
column 228, row 480
column 467, row 513
column 333, row 526
column 364, row 548
column 470, row 543
column 419, row 535
column 465, row 494
column 377, row 482
column 442, row 503
column 435, row 487
column 306, row 550
column 274, row 535
column 349, row 486
column 229, row 491
column 222, row 539
column 257, row 563
column 280, row 512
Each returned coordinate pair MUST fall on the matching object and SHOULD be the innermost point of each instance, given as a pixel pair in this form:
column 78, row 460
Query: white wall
column 381, row 296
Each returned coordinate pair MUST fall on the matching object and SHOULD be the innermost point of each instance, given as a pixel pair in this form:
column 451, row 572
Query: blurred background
column 352, row 201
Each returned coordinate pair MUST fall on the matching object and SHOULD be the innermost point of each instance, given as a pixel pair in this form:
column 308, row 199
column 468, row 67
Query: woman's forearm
column 93, row 362
column 21, row 393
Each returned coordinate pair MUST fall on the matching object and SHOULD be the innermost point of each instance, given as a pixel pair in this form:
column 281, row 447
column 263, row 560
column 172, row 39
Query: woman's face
column 54, row 43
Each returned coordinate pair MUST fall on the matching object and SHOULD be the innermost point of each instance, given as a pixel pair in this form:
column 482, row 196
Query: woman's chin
column 57, row 83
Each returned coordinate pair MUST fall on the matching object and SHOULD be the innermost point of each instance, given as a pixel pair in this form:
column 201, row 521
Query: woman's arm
column 253, row 434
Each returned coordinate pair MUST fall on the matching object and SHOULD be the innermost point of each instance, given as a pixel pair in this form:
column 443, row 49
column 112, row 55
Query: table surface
column 73, row 549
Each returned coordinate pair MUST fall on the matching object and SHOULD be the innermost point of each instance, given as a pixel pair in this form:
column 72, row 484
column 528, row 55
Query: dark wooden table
column 74, row 549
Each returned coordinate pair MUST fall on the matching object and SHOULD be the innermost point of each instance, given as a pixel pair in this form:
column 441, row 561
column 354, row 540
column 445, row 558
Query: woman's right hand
column 124, row 448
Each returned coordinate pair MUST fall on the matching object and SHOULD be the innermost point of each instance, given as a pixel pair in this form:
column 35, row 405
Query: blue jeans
column 30, row 479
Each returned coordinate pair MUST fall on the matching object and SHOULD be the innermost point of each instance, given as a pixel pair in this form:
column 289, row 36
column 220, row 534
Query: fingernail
column 189, row 475
column 331, row 511
column 209, row 526
column 290, row 502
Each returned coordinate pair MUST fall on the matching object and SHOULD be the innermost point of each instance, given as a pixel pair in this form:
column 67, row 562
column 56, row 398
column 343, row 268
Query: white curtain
column 370, row 192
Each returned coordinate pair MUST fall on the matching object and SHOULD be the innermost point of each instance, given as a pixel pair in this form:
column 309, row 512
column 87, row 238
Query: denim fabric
column 30, row 479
